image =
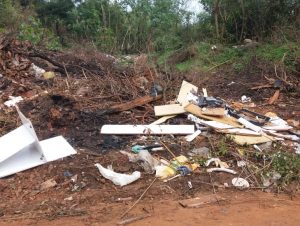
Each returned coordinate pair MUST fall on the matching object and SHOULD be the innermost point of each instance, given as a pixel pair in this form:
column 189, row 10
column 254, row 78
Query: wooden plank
column 129, row 105
column 213, row 111
column 204, row 90
column 184, row 90
column 194, row 109
column 275, row 97
column 239, row 131
column 171, row 109
column 200, row 201
column 148, row 129
column 248, row 140
column 162, row 119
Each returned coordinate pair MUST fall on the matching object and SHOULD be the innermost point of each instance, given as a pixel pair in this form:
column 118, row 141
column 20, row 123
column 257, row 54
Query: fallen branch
column 133, row 219
column 139, row 199
column 129, row 105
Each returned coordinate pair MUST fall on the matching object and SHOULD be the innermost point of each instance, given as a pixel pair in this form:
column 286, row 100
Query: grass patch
column 208, row 59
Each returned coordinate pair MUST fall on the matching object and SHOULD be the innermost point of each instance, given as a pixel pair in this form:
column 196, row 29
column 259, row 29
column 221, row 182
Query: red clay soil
column 82, row 196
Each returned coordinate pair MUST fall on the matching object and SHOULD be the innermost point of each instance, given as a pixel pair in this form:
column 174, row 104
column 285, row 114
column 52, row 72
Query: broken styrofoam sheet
column 13, row 101
column 148, row 129
column 28, row 157
column 185, row 89
column 119, row 179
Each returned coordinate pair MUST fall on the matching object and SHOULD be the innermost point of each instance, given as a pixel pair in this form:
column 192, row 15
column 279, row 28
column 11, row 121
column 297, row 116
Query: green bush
column 33, row 31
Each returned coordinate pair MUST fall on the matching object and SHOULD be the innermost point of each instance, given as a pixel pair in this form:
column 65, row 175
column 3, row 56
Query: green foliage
column 223, row 147
column 8, row 15
column 287, row 165
column 33, row 31
column 275, row 53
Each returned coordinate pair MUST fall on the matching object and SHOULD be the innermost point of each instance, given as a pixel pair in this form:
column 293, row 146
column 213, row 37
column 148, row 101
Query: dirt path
column 239, row 208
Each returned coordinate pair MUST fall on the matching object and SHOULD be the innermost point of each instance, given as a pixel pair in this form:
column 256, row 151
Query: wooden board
column 194, row 109
column 213, row 111
column 129, row 105
column 162, row 119
column 239, row 131
column 248, row 140
column 184, row 90
column 171, row 109
column 148, row 129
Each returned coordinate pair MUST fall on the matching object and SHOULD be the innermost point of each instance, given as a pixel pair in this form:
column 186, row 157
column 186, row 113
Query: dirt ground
column 73, row 108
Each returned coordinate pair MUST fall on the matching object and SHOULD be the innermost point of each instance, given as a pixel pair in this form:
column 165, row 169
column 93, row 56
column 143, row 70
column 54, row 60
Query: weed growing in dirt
column 223, row 147
column 287, row 165
column 208, row 59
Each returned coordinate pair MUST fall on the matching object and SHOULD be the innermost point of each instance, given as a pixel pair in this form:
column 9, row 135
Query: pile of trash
column 204, row 115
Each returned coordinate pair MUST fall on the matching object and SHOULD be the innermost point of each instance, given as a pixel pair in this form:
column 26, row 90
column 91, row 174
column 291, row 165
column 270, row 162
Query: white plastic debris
column 240, row 182
column 298, row 149
column 13, row 101
column 148, row 162
column 214, row 47
column 190, row 138
column 221, row 170
column 257, row 148
column 38, row 72
column 218, row 163
column 245, row 99
column 22, row 150
column 118, row 178
column 241, row 163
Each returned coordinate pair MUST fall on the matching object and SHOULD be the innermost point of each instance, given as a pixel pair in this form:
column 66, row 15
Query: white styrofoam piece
column 148, row 129
column 28, row 157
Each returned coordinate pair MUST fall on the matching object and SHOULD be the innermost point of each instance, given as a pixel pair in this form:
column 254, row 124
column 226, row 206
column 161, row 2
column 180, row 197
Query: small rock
column 69, row 198
column 203, row 152
column 48, row 184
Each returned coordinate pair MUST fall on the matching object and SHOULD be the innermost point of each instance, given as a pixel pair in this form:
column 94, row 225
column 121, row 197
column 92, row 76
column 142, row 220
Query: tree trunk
column 216, row 16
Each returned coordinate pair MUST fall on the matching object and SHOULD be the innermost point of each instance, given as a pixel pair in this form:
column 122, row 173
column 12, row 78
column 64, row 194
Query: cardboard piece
column 21, row 149
column 171, row 109
column 213, row 111
column 194, row 109
column 248, row 140
column 185, row 89
column 147, row 129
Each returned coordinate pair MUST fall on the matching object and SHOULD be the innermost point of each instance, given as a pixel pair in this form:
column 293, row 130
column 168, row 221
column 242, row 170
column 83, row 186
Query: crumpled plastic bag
column 118, row 178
